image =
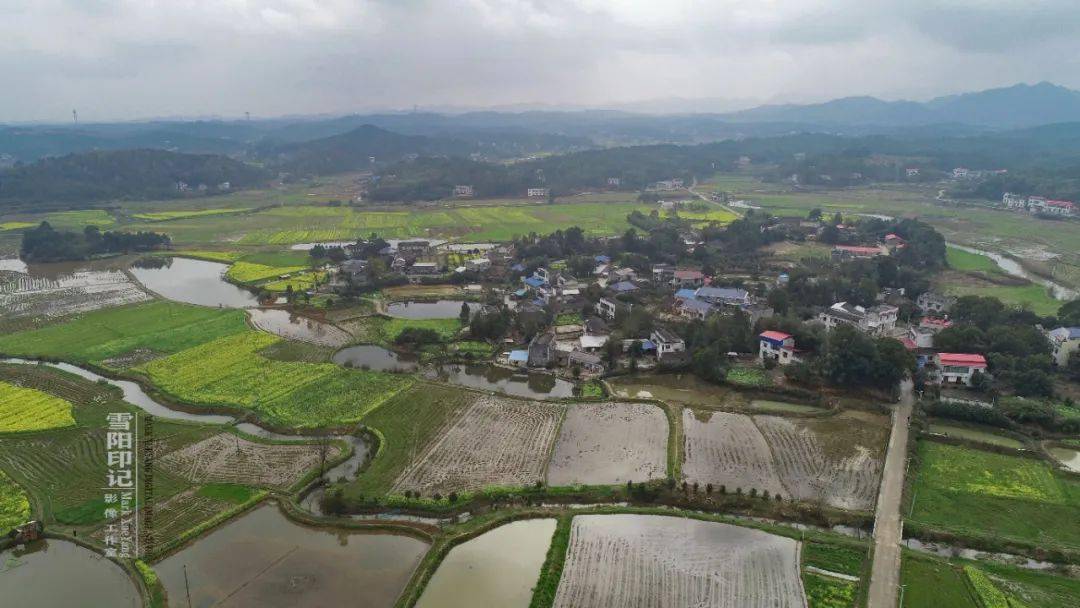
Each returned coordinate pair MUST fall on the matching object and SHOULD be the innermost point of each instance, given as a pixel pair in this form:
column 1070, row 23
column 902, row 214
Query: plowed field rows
column 610, row 443
column 231, row 459
column 835, row 460
column 639, row 561
column 496, row 441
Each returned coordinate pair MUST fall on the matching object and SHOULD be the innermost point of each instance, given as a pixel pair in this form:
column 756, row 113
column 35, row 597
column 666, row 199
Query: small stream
column 1014, row 268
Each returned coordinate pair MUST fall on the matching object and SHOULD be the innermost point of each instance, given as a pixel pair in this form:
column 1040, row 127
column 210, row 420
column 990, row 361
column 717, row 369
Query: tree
column 850, row 357
column 318, row 252
column 1069, row 314
column 893, row 362
column 465, row 314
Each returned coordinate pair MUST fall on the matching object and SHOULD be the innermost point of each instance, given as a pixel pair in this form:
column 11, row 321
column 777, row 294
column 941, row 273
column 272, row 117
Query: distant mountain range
column 1020, row 105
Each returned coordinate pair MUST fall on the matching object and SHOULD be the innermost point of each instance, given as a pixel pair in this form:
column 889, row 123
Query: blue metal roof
column 603, row 259
column 685, row 294
column 519, row 355
column 534, row 281
column 722, row 293
column 647, row 345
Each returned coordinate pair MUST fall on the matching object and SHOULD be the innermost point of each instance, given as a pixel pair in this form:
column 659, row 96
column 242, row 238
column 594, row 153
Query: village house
column 591, row 344
column 930, row 302
column 662, row 273
column 691, row 307
column 463, row 191
column 958, row 368
column 352, row 271
column 776, row 346
column 667, row 342
column 843, row 253
column 687, row 279
column 424, row 269
column 1038, row 204
column 1063, row 342
column 723, row 296
column 877, row 320
column 595, row 326
column 478, row 264
column 542, row 350
column 607, row 308
column 614, row 182
column 518, row 358
column 537, row 192
column 587, row 362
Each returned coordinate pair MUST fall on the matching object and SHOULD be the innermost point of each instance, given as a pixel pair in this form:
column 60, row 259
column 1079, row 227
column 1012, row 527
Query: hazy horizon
column 125, row 60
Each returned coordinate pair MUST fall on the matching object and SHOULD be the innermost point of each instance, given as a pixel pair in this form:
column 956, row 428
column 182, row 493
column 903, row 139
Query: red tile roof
column 967, row 359
column 775, row 335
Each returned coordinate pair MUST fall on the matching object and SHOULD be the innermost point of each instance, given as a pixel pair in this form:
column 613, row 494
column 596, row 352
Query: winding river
column 1014, row 268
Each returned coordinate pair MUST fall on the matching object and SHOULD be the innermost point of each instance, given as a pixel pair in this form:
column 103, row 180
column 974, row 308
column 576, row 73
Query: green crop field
column 959, row 259
column 834, row 558
column 14, row 504
column 249, row 272
column 163, row 327
column 383, row 330
column 984, row 494
column 933, row 583
column 27, row 409
column 306, row 223
column 16, row 225
column 1032, row 296
column 301, row 281
column 159, row 216
column 826, row 592
column 406, row 424
column 226, row 257
column 230, row 372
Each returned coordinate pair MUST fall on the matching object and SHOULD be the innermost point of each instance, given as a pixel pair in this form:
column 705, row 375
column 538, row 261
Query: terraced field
column 40, row 298
column 250, row 272
column 495, row 442
column 27, row 409
column 610, row 443
column 227, row 458
column 230, row 372
column 835, row 460
column 617, row 561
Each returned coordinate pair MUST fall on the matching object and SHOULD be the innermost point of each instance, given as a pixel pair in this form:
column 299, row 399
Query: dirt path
column 708, row 200
column 888, row 526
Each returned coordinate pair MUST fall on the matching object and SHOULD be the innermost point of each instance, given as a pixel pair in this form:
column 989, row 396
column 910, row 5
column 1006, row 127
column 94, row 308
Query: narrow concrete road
column 888, row 526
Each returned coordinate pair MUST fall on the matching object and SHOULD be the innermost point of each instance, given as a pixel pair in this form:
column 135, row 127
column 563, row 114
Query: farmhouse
column 877, row 320
column 776, row 346
column 463, row 191
column 723, row 296
column 687, row 279
column 666, row 341
column 478, row 264
column 542, row 350
column 662, row 273
column 537, row 192
column 958, row 368
column 691, row 307
column 1063, row 342
column 607, row 308
column 587, row 362
column 843, row 253
column 424, row 268
column 931, row 302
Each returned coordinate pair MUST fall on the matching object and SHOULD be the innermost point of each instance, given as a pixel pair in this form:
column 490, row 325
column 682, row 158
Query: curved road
column 888, row 525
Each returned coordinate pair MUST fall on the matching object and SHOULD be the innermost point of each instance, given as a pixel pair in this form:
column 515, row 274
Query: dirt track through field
column 649, row 561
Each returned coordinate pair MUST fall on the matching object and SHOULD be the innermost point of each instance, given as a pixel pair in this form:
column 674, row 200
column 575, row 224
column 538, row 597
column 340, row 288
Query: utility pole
column 187, row 587
column 75, row 116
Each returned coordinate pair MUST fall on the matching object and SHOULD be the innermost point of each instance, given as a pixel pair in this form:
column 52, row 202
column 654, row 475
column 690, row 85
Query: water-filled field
column 610, row 443
column 617, row 561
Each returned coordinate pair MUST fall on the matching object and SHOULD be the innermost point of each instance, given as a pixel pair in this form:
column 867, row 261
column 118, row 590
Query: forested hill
column 124, row 174
column 354, row 150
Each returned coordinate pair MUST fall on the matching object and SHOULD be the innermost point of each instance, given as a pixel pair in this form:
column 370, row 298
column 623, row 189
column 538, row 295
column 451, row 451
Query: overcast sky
column 129, row 59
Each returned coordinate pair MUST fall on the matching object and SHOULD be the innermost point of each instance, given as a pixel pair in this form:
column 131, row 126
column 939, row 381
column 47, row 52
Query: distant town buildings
column 1038, row 205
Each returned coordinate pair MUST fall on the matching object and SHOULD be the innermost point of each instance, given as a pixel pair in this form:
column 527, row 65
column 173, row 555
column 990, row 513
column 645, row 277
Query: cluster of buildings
column 580, row 346
column 1038, row 205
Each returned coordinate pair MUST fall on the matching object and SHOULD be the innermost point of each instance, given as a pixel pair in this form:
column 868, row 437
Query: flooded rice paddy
column 497, row 568
column 1068, row 457
column 440, row 309
column 534, row 385
column 297, row 327
column 377, row 358
column 59, row 573
column 263, row 559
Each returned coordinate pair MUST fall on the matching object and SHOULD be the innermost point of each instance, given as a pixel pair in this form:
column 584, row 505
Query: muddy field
column 835, row 460
column 496, row 441
column 231, row 459
column 610, row 443
column 639, row 561
column 40, row 297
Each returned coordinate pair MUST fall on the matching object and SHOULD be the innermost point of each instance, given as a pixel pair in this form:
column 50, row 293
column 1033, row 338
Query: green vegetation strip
column 827, row 592
column 14, row 504
column 551, row 572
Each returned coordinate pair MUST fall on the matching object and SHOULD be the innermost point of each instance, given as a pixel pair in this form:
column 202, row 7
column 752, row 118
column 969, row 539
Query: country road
column 888, row 526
